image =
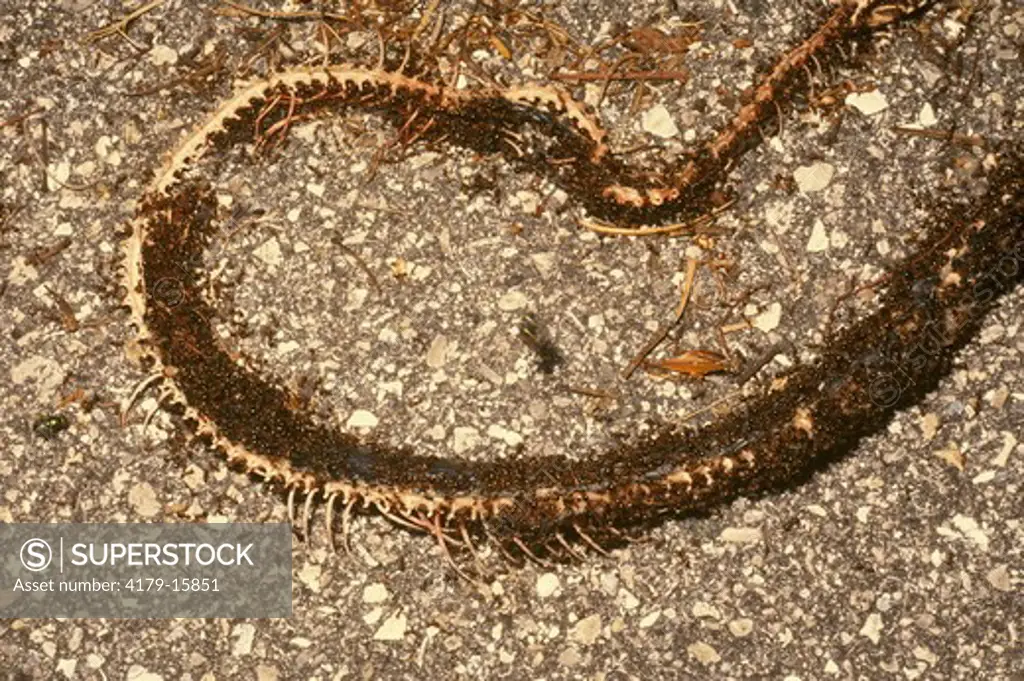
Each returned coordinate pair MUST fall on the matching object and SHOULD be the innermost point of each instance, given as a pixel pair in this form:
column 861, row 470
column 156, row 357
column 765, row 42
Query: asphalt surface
column 391, row 294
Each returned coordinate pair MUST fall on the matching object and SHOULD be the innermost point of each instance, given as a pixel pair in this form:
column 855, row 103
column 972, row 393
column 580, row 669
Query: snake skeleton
column 530, row 507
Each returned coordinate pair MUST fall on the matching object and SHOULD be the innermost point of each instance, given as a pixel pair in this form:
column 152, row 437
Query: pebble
column 267, row 673
column 375, row 593
column 626, row 600
column 872, row 629
column 244, row 635
column 509, row 437
column 570, row 657
column 658, row 121
column 437, row 354
column 511, row 301
column 544, row 262
column 139, row 673
column 999, row 578
column 741, row 627
column 702, row 652
column 142, row 498
column 650, row 619
column 547, row 584
column 868, row 103
column 163, row 55
column 309, row 575
column 969, row 528
column 926, row 117
column 930, row 425
column 702, row 609
column 769, row 319
column 393, row 629
column 1009, row 444
column 586, row 630
column 741, row 535
column 819, row 238
column 66, row 666
column 814, row 177
column 269, row 252
column 465, row 438
column 361, row 418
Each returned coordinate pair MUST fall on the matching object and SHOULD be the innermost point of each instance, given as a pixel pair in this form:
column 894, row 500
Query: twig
column 426, row 17
column 680, row 75
column 944, row 135
column 591, row 392
column 21, row 117
column 42, row 255
column 709, row 407
column 199, row 73
column 121, row 25
column 761, row 360
column 281, row 16
column 360, row 263
column 694, row 225
column 659, row 336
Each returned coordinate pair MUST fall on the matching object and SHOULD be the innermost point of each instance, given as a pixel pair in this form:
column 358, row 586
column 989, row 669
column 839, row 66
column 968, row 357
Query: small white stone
column 926, row 118
column 244, row 635
column 814, row 177
column 438, row 351
column 769, row 319
column 21, row 272
column 142, row 498
column 269, row 252
column 868, row 103
column 361, row 418
column 509, row 437
column 309, row 575
column 819, row 238
column 513, row 300
column 163, row 55
column 999, row 578
column 586, row 631
column 375, row 593
column 626, row 600
column 702, row 609
column 702, row 652
column 547, row 584
column 315, row 189
column 393, row 629
column 66, row 666
column 139, row 673
column 741, row 627
column 287, row 347
column 465, row 438
column 57, row 175
column 969, row 528
column 658, row 121
column 650, row 619
column 872, row 629
column 544, row 262
column 741, row 535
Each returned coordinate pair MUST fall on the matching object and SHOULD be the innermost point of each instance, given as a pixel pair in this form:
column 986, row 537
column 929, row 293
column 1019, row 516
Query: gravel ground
column 390, row 297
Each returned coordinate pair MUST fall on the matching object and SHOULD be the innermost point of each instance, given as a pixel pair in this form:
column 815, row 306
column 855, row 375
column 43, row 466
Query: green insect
column 49, row 427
